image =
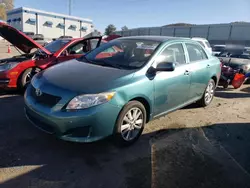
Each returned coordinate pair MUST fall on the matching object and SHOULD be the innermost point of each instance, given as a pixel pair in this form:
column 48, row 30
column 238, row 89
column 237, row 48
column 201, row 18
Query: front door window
column 173, row 54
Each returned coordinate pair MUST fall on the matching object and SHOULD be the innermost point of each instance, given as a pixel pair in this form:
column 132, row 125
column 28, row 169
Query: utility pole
column 69, row 7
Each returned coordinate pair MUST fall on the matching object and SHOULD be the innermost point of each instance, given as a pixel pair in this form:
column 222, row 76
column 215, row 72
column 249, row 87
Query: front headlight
column 89, row 100
column 7, row 66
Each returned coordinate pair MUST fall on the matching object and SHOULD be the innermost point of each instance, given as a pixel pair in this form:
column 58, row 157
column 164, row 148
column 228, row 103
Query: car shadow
column 10, row 92
column 246, row 90
column 215, row 156
column 224, row 89
column 230, row 95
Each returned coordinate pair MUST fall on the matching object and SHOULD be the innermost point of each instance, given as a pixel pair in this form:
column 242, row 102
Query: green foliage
column 110, row 29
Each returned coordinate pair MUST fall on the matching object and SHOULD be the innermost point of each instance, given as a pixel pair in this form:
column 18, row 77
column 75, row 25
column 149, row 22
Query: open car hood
column 19, row 39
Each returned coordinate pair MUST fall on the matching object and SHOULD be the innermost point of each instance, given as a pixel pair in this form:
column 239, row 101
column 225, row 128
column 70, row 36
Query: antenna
column 69, row 7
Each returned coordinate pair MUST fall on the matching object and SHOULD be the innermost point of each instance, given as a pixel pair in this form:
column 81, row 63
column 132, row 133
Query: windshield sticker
column 146, row 47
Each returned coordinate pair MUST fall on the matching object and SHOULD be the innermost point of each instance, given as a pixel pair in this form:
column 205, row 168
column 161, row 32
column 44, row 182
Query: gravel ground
column 192, row 147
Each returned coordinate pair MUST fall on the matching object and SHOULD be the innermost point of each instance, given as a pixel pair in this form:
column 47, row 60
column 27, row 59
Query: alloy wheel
column 209, row 93
column 28, row 78
column 132, row 124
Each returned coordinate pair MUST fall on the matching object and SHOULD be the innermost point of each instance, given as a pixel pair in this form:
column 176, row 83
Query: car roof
column 219, row 45
column 154, row 38
column 199, row 39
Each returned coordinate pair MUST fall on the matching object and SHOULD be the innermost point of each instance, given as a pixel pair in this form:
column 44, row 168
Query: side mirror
column 165, row 66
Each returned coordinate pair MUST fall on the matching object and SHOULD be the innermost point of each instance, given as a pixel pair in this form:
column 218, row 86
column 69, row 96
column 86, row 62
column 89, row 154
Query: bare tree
column 3, row 15
column 124, row 28
column 5, row 5
column 9, row 4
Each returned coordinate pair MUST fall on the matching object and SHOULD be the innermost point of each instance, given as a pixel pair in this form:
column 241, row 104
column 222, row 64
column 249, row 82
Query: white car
column 204, row 42
column 217, row 49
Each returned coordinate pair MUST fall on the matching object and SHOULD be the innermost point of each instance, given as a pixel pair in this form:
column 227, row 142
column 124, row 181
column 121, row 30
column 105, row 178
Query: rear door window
column 196, row 52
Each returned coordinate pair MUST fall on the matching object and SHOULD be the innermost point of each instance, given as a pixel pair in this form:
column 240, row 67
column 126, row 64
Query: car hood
column 83, row 78
column 19, row 39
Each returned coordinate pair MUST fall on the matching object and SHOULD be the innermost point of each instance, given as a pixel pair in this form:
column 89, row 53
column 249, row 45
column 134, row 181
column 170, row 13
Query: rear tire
column 208, row 95
column 130, row 123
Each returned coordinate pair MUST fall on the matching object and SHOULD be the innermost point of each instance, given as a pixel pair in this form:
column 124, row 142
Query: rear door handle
column 186, row 72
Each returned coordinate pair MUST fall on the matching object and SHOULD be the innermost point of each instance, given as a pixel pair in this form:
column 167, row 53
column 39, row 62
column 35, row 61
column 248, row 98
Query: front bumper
column 86, row 125
column 4, row 82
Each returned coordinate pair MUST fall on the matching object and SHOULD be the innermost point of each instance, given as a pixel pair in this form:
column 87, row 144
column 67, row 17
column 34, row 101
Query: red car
column 17, row 71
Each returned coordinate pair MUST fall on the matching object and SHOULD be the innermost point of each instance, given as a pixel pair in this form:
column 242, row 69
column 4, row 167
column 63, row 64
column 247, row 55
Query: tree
column 110, row 29
column 3, row 15
column 124, row 28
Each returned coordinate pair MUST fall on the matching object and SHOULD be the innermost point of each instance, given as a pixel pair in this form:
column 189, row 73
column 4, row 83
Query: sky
column 147, row 13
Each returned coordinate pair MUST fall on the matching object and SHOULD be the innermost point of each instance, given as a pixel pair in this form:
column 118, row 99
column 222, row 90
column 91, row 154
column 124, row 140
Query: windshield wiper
column 83, row 57
column 99, row 63
column 109, row 65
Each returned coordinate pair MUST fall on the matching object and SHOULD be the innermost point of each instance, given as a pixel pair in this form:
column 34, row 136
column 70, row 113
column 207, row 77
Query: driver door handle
column 186, row 72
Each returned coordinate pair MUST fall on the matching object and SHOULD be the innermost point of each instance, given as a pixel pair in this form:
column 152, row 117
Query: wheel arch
column 146, row 104
column 214, row 77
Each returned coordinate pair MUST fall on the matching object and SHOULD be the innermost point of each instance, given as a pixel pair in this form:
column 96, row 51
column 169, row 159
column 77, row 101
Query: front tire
column 208, row 95
column 130, row 123
column 26, row 77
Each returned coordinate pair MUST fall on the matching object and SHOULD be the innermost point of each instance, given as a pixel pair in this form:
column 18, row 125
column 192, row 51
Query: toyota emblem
column 38, row 92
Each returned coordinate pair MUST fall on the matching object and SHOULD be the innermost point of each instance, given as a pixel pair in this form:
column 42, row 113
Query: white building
column 51, row 25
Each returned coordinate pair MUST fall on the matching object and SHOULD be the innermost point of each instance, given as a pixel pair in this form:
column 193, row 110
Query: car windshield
column 56, row 45
column 122, row 53
column 218, row 48
column 235, row 55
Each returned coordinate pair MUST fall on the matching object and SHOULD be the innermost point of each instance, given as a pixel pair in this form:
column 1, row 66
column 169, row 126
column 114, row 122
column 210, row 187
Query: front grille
column 44, row 98
column 41, row 125
column 78, row 132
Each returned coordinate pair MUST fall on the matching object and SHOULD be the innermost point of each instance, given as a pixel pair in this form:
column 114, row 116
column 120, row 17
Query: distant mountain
column 239, row 22
column 179, row 24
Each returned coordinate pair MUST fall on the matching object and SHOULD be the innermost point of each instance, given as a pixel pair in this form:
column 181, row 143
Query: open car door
column 73, row 51
column 78, row 49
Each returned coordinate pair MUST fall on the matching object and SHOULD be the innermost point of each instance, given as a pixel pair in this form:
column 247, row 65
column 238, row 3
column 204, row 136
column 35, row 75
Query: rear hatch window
column 201, row 43
column 208, row 45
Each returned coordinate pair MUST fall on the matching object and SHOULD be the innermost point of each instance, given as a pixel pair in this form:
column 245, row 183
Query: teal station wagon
column 120, row 86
